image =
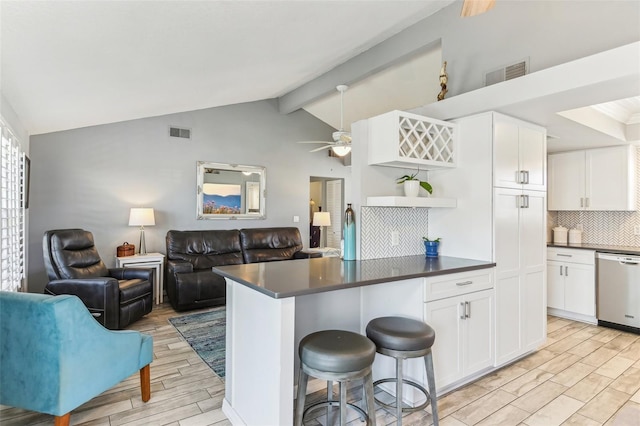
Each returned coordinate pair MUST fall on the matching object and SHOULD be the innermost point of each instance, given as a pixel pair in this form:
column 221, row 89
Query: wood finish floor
column 584, row 375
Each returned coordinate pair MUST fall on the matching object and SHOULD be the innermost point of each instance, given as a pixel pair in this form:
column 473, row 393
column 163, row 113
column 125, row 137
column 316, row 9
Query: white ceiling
column 70, row 64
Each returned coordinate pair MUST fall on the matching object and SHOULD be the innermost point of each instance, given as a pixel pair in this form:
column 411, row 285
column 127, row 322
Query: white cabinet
column 566, row 181
column 496, row 222
column 593, row 179
column 402, row 139
column 460, row 309
column 520, row 241
column 519, row 154
column 571, row 290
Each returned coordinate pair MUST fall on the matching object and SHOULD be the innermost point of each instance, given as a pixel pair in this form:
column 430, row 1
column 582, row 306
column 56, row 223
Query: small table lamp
column 142, row 217
column 321, row 219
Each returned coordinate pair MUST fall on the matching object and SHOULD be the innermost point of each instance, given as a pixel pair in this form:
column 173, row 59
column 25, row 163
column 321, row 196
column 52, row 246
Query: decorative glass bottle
column 349, row 234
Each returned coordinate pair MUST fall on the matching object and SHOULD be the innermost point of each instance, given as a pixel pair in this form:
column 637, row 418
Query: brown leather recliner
column 115, row 297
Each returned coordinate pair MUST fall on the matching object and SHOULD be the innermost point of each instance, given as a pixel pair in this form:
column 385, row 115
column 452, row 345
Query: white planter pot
column 411, row 188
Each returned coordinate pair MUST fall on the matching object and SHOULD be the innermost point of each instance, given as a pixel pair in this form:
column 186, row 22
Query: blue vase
column 349, row 234
column 431, row 248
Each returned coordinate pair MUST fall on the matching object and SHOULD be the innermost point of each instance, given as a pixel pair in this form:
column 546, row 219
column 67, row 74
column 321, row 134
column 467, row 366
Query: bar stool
column 336, row 355
column 403, row 338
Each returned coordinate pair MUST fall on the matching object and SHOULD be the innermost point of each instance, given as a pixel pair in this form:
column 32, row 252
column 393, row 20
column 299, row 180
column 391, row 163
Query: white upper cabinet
column 519, row 154
column 566, row 181
column 593, row 179
column 410, row 141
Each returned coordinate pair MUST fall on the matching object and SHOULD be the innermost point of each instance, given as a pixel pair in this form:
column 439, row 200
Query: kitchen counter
column 271, row 306
column 602, row 248
column 317, row 275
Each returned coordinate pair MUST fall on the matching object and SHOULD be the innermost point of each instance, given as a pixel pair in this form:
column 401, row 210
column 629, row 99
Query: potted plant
column 431, row 246
column 412, row 184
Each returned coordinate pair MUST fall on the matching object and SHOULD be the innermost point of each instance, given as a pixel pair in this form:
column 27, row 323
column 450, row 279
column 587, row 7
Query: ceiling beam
column 390, row 52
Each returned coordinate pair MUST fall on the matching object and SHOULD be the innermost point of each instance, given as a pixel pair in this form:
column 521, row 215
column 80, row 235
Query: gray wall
column 90, row 177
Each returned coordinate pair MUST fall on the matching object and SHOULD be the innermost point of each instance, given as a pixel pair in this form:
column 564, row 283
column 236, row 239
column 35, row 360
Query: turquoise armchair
column 54, row 356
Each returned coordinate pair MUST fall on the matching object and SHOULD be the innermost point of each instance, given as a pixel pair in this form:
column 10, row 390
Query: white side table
column 150, row 261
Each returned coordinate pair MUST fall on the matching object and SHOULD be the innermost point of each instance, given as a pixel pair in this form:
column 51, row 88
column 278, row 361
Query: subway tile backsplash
column 615, row 228
column 377, row 223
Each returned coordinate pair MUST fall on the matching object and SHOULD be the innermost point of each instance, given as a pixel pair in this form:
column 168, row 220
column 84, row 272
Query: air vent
column 506, row 73
column 177, row 132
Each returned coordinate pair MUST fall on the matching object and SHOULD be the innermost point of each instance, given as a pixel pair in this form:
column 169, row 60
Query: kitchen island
column 271, row 306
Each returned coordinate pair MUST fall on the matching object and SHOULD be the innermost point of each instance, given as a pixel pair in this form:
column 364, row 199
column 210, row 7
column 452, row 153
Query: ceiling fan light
column 341, row 150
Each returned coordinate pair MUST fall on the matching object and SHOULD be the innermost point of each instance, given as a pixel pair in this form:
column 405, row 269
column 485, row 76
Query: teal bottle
column 349, row 234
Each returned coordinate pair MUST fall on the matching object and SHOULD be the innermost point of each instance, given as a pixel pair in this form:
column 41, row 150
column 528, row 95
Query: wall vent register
column 177, row 132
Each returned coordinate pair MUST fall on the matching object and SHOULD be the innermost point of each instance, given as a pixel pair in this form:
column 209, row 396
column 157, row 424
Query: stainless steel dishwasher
column 619, row 291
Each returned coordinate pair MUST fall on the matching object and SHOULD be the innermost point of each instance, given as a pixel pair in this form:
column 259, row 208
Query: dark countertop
column 307, row 276
column 603, row 248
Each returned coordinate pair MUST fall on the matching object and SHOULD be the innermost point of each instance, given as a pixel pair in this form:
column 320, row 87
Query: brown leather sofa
column 191, row 283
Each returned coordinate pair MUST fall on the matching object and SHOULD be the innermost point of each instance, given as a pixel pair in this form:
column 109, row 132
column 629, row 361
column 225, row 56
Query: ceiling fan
column 476, row 7
column 341, row 144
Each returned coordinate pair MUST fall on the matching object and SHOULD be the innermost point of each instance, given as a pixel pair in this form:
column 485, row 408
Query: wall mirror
column 230, row 191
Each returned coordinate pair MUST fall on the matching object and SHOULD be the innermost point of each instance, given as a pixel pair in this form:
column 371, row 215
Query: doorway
column 327, row 195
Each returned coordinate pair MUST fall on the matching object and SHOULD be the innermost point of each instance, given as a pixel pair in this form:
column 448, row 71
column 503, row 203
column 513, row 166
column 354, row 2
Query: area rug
column 205, row 332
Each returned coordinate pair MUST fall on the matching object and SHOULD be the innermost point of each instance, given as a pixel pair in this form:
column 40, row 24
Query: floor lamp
column 321, row 219
column 142, row 217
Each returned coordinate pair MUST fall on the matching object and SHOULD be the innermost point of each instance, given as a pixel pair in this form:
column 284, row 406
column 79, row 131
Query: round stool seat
column 400, row 334
column 336, row 351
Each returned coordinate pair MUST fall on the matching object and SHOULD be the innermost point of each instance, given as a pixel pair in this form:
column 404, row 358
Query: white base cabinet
column 571, row 290
column 460, row 308
column 464, row 336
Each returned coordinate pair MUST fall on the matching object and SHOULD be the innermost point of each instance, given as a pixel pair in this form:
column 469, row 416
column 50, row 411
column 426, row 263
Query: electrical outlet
column 296, row 219
column 395, row 238
column 636, row 230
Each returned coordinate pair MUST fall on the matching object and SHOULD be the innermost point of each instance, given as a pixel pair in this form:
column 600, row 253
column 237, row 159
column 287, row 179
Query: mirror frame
column 202, row 166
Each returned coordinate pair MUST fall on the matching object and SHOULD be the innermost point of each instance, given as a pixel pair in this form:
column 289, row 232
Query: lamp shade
column 341, row 150
column 321, row 219
column 142, row 217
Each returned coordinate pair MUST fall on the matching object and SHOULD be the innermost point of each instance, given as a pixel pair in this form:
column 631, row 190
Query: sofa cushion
column 205, row 249
column 269, row 244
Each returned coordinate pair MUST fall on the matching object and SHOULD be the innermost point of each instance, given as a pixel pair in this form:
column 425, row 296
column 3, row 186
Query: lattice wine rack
column 402, row 139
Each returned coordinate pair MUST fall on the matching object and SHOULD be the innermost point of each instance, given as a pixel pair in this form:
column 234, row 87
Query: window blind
column 12, row 215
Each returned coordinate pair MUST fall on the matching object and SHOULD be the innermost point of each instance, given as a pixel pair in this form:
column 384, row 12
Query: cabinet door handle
column 462, row 315
column 526, row 176
column 518, row 176
column 581, row 202
column 560, row 270
column 526, row 200
column 464, row 283
column 564, row 255
column 586, row 202
column 520, row 203
column 566, row 271
column 467, row 309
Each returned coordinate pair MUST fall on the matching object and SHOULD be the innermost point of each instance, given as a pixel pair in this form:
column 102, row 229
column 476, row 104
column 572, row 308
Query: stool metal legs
column 431, row 381
column 399, row 380
column 303, row 378
column 342, row 379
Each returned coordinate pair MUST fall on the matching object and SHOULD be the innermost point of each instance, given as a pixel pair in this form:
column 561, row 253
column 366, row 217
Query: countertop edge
column 602, row 248
column 283, row 295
